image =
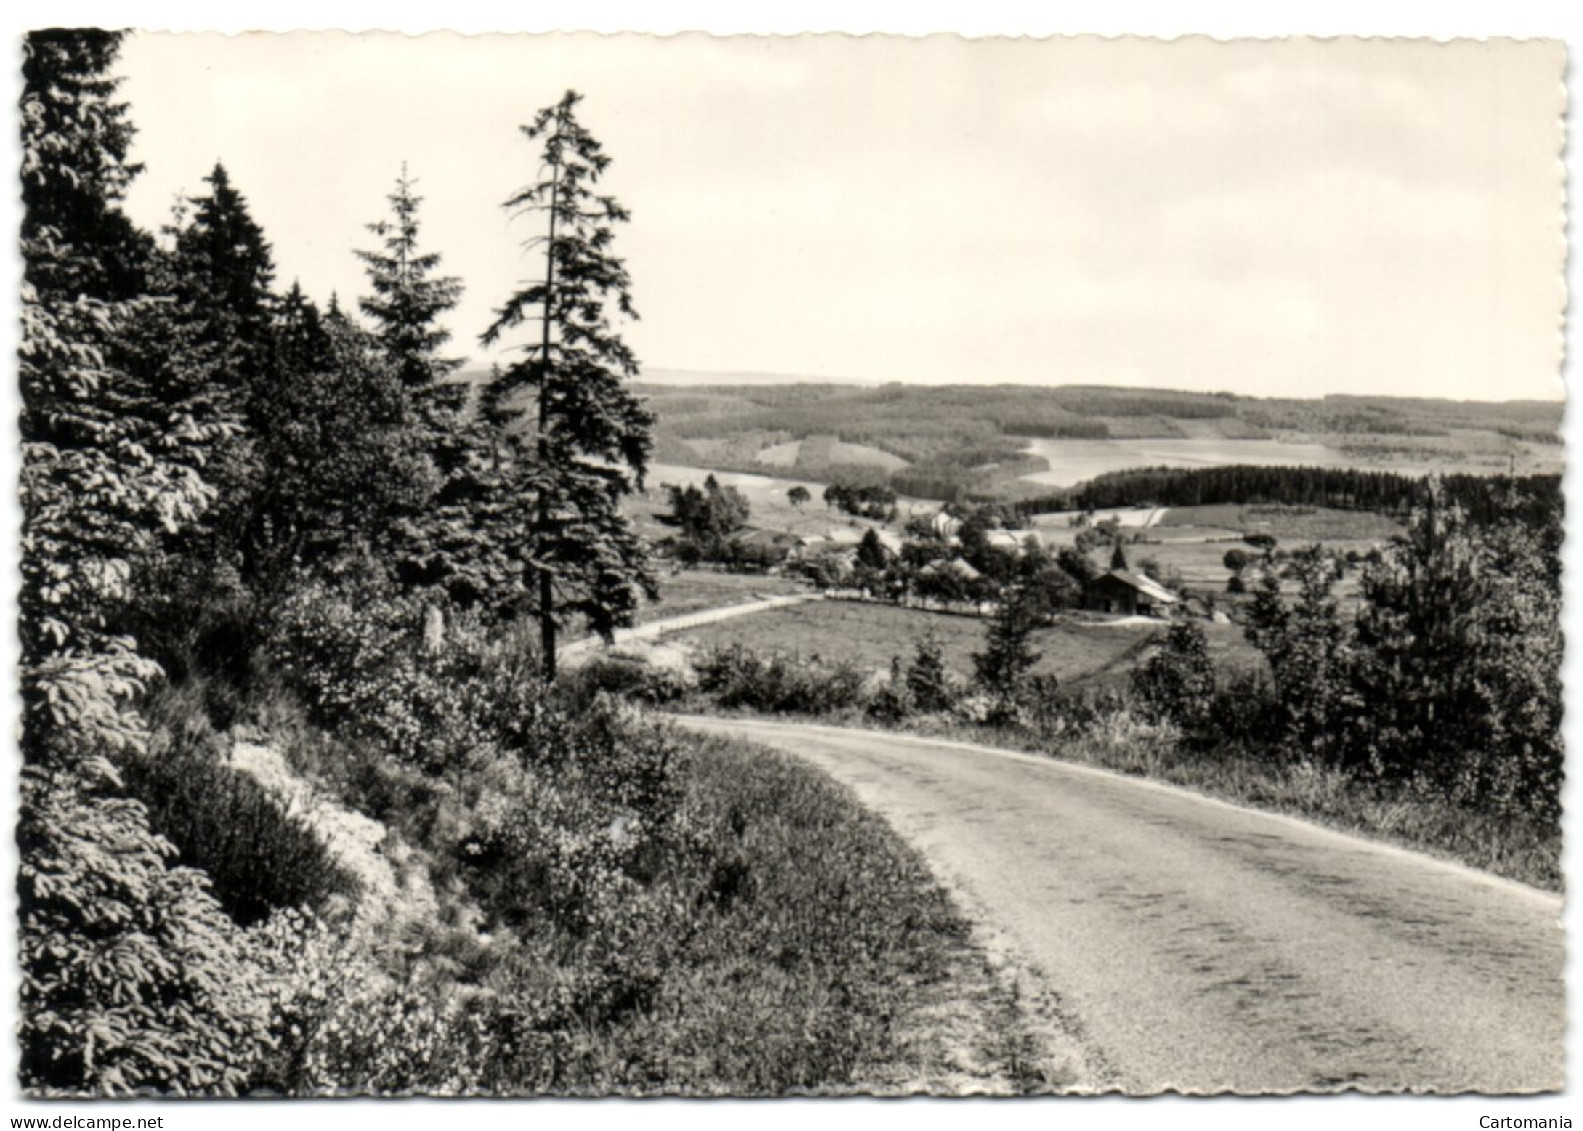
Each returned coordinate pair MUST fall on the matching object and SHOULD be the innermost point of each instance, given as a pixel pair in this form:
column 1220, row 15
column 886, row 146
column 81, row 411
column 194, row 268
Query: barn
column 1131, row 594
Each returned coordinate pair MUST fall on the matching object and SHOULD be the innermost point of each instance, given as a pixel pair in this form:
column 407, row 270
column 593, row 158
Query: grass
column 1288, row 523
column 259, row 855
column 869, row 635
column 1403, row 816
column 820, row 953
column 694, row 590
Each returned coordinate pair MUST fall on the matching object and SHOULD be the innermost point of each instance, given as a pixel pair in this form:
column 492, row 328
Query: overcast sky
column 1292, row 217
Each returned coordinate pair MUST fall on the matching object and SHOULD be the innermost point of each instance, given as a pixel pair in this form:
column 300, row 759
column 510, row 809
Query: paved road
column 1204, row 947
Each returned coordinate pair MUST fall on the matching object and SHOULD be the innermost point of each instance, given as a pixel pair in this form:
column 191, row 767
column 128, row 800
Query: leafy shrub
column 928, row 682
column 133, row 976
column 624, row 677
column 1244, row 712
column 341, row 1023
column 1177, row 682
column 778, row 683
column 889, row 700
column 1129, row 741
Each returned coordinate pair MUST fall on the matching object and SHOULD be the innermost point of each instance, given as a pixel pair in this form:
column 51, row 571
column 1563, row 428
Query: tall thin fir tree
column 439, row 545
column 576, row 438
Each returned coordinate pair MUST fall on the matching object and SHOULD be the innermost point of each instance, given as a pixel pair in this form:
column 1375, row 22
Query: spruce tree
column 574, row 438
column 927, row 681
column 224, row 267
column 336, row 455
column 75, row 172
column 1003, row 667
column 407, row 302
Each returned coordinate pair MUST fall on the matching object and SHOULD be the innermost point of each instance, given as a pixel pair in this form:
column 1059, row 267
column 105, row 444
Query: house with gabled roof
column 1130, row 594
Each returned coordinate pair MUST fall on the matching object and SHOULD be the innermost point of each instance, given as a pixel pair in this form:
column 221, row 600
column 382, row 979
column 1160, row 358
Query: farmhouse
column 1133, row 594
column 891, row 542
column 956, row 568
column 1012, row 541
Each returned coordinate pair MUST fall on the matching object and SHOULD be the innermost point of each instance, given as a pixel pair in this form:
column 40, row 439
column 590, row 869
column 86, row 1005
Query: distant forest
column 965, row 443
column 1484, row 498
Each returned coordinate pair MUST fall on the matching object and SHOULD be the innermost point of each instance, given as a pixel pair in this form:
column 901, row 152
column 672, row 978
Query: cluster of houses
column 1120, row 591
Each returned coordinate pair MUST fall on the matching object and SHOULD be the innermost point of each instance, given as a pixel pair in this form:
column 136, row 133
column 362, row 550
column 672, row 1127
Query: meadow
column 687, row 591
column 869, row 635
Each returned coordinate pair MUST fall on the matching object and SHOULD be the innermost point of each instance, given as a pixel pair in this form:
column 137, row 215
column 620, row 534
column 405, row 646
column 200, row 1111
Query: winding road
column 1202, row 947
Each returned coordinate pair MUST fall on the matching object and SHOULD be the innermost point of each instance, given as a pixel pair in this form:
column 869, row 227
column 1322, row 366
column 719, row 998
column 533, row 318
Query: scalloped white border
column 1221, row 19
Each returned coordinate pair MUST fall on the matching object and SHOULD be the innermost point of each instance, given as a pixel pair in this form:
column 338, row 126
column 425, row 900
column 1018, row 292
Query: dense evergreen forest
column 1483, row 497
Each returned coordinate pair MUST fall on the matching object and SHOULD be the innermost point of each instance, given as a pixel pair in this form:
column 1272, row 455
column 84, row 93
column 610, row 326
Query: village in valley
column 1104, row 576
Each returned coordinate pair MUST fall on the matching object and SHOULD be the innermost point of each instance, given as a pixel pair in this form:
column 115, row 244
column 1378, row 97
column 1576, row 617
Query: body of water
column 1075, row 461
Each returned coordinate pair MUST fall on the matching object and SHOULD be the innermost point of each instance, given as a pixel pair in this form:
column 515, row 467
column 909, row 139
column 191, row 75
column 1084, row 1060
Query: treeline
column 1072, row 429
column 1122, row 404
column 1484, row 498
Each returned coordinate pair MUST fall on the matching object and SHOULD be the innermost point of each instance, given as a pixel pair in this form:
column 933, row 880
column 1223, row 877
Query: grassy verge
column 824, row 956
column 654, row 913
column 1409, row 818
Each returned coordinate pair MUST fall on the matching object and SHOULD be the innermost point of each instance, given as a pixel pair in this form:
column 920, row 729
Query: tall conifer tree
column 575, row 436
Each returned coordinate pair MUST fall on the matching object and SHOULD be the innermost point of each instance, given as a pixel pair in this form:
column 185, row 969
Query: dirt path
column 655, row 629
column 1203, row 947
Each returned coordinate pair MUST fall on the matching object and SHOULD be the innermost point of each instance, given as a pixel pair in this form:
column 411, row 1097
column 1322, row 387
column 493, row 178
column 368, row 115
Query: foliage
column 710, row 517
column 624, row 677
column 1461, row 637
column 927, row 681
column 778, row 683
column 75, row 172
column 258, row 856
column 1008, row 658
column 436, row 540
column 133, row 976
column 563, row 478
column 1309, row 651
column 868, row 500
column 408, row 301
column 223, row 269
column 1177, row 682
column 335, row 455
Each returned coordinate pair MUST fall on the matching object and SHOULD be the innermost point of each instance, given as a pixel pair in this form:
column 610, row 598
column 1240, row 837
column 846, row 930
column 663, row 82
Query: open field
column 1289, row 524
column 694, row 590
column 768, row 507
column 830, row 452
column 869, row 635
